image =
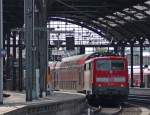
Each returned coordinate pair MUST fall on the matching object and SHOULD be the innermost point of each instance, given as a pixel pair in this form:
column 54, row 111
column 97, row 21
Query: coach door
column 87, row 76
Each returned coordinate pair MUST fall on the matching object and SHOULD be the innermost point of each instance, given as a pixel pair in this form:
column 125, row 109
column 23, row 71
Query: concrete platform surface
column 139, row 91
column 17, row 100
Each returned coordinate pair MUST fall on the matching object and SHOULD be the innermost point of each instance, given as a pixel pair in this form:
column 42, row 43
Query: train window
column 87, row 66
column 84, row 66
column 103, row 65
column 80, row 78
column 117, row 65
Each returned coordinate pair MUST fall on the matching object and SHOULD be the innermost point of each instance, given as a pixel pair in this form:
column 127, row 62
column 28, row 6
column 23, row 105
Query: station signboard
column 55, row 57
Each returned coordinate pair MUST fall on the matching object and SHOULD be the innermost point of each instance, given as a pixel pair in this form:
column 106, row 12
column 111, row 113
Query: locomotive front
column 110, row 79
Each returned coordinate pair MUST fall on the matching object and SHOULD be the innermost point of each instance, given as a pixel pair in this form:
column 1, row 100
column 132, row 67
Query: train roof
column 85, row 57
column 77, row 57
column 106, row 57
column 111, row 57
column 54, row 64
column 81, row 59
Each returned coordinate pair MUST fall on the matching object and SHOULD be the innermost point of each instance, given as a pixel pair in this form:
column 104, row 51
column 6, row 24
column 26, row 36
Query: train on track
column 99, row 76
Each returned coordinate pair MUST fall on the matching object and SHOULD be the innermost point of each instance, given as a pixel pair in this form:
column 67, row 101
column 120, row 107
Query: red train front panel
column 110, row 77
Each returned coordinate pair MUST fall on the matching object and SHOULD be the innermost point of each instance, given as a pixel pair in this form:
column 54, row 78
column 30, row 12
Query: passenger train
column 97, row 75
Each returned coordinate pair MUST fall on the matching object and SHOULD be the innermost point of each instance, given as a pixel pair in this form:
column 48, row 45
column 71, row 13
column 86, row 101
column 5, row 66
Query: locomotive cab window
column 117, row 65
column 107, row 65
column 103, row 65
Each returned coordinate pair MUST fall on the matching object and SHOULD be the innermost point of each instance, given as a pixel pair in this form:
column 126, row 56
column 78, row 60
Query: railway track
column 139, row 99
column 105, row 110
column 136, row 105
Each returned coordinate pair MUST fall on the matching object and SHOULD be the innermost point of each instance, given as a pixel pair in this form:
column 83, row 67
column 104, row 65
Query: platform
column 139, row 91
column 55, row 102
column 17, row 101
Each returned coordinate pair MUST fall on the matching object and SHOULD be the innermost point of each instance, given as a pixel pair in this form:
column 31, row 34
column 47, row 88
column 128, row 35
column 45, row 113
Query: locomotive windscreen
column 107, row 65
column 103, row 65
column 117, row 65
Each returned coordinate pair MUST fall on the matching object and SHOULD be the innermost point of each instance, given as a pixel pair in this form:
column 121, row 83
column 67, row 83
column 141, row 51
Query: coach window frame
column 87, row 66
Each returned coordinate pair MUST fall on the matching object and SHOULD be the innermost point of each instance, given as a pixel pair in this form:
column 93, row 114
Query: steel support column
column 141, row 63
column 30, row 48
column 20, row 62
column 8, row 65
column 1, row 47
column 8, row 44
column 46, row 50
column 14, row 61
column 4, row 46
column 115, row 49
column 131, row 63
column 37, row 53
column 43, row 52
column 123, row 51
column 108, row 49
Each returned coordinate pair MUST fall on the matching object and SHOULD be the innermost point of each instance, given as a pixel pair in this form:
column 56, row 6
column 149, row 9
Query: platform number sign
column 55, row 58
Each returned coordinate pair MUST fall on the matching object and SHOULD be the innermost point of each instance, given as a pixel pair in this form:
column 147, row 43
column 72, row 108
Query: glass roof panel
column 126, row 9
column 111, row 17
column 119, row 14
column 140, row 7
column 140, row 15
column 100, row 18
column 111, row 23
column 130, row 11
column 96, row 22
column 148, row 12
column 129, row 18
column 147, row 2
column 82, row 35
column 103, row 25
column 120, row 21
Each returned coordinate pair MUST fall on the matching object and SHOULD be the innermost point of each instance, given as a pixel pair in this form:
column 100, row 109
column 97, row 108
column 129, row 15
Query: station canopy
column 116, row 20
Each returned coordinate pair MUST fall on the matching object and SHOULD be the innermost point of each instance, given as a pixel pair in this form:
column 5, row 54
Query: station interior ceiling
column 121, row 21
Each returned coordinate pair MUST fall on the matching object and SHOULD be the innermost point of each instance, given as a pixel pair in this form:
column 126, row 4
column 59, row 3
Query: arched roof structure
column 117, row 20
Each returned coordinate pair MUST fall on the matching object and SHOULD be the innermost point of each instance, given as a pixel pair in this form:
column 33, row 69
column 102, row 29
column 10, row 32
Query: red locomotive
column 99, row 76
